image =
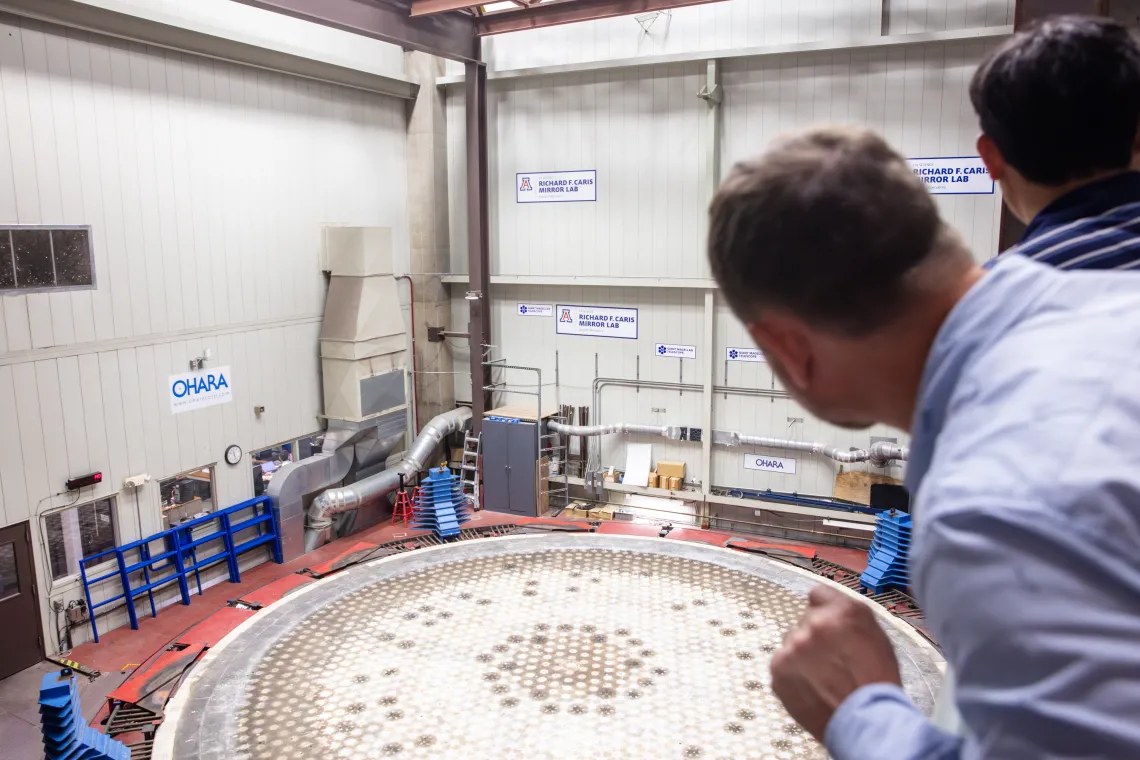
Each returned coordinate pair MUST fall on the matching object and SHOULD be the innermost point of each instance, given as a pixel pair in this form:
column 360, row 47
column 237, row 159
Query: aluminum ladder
column 469, row 469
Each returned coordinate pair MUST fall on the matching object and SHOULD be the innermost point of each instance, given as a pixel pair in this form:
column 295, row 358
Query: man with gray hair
column 1020, row 388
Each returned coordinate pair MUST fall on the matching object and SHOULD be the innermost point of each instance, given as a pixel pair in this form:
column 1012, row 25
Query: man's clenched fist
column 837, row 647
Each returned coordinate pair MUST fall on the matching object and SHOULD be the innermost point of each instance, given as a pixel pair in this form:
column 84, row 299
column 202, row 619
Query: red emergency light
column 84, row 480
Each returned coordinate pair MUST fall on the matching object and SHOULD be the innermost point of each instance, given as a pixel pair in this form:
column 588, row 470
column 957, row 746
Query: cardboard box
column 675, row 484
column 578, row 510
column 602, row 513
column 652, row 482
column 671, row 469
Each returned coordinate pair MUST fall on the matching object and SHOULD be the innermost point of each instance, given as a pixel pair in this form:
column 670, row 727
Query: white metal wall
column 915, row 96
column 275, row 30
column 645, row 131
column 736, row 24
column 206, row 185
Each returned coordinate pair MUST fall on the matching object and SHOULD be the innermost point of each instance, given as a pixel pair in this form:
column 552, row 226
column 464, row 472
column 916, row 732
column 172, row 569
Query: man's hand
column 837, row 647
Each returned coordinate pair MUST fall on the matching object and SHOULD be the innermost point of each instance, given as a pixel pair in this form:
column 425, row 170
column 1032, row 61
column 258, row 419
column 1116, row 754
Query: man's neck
column 1027, row 199
column 902, row 355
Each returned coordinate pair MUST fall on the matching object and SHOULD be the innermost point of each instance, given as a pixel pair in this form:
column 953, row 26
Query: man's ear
column 991, row 157
column 785, row 342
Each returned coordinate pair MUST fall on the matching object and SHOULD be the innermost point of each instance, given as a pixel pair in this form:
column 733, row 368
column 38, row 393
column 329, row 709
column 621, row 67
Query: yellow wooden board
column 856, row 486
column 523, row 411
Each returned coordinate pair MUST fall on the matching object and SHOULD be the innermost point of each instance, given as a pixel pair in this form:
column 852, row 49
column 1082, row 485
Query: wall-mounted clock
column 233, row 454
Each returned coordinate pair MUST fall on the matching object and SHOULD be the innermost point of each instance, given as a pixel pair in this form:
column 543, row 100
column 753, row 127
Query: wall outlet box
column 136, row 481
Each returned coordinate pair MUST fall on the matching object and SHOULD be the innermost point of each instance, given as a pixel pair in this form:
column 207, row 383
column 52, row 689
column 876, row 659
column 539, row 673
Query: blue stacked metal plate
column 443, row 508
column 890, row 549
column 66, row 736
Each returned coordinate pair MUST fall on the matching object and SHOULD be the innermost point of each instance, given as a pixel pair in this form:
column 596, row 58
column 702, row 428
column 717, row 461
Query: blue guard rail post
column 187, row 548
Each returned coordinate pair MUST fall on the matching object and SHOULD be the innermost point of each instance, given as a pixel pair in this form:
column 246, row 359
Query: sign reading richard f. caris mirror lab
column 198, row 390
column 596, row 321
column 556, row 187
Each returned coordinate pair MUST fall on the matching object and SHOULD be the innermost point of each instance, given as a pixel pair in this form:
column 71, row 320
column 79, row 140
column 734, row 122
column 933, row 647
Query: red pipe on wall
column 415, row 367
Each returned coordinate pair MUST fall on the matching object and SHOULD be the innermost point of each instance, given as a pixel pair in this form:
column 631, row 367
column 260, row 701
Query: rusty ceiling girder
column 449, row 35
column 571, row 11
column 429, row 7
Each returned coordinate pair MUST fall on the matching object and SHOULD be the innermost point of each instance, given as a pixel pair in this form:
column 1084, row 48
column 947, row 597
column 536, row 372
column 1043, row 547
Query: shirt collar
column 997, row 302
column 1088, row 200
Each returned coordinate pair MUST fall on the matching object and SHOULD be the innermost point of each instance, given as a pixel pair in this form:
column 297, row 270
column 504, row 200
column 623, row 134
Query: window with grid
column 45, row 258
column 78, row 532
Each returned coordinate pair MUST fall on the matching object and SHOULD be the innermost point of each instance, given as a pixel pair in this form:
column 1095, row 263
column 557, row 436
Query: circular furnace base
column 574, row 646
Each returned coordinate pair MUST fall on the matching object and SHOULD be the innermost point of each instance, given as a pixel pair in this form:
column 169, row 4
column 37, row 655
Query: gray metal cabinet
column 510, row 451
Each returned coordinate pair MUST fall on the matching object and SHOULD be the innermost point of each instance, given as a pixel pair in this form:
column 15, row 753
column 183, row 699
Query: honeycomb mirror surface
column 531, row 647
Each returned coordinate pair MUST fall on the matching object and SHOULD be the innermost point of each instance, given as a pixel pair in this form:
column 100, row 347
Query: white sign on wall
column 744, row 355
column 198, row 390
column 536, row 310
column 953, row 175
column 556, row 187
column 769, row 464
column 674, row 351
column 598, row 321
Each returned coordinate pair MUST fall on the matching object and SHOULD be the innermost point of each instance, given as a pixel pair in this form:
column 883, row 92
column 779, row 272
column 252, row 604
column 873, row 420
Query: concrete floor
column 19, row 713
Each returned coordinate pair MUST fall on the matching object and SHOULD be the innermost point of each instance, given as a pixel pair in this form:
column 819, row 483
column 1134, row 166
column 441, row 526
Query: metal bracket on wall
column 714, row 95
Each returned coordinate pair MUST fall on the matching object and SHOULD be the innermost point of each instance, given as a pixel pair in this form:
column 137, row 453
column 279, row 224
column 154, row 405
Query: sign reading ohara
column 743, row 355
column 556, row 187
column 536, row 310
column 598, row 321
column 673, row 351
column 769, row 464
column 953, row 175
column 197, row 390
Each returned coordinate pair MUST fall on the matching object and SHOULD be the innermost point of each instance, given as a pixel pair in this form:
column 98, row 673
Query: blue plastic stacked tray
column 890, row 549
column 66, row 736
column 443, row 508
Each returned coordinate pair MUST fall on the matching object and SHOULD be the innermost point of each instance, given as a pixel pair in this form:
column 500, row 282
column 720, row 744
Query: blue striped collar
column 1089, row 200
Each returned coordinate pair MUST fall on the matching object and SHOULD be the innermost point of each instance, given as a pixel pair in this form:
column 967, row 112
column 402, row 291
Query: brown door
column 20, row 643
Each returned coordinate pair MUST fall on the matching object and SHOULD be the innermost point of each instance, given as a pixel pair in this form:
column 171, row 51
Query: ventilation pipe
column 336, row 501
column 673, row 433
column 880, row 454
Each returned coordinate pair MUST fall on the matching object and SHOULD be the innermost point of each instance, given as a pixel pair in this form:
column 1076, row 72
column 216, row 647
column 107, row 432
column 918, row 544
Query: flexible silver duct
column 673, row 433
column 336, row 501
column 880, row 454
column 883, row 452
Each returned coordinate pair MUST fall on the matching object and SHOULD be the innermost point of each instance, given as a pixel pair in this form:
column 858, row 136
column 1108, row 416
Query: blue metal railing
column 140, row 570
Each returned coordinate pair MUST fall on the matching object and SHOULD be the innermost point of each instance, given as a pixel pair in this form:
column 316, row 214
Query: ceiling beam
column 428, row 7
column 553, row 14
column 449, row 35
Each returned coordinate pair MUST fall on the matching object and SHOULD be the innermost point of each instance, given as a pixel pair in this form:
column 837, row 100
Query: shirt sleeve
column 1037, row 617
column 879, row 721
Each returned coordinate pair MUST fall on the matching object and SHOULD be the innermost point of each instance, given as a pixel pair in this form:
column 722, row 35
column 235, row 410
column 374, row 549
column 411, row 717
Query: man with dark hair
column 1059, row 106
column 1021, row 391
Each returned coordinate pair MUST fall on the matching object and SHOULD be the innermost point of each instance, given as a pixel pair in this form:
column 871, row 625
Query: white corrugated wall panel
column 915, row 97
column 206, row 185
column 736, row 24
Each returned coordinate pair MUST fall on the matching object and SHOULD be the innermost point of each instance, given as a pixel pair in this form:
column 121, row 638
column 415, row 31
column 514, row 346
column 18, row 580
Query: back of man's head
column 1061, row 100
column 827, row 225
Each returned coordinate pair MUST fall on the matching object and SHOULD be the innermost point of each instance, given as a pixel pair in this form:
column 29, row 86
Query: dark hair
column 1061, row 100
column 825, row 224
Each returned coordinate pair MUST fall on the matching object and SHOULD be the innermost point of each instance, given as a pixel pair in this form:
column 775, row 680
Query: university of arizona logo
column 525, row 186
column 565, row 316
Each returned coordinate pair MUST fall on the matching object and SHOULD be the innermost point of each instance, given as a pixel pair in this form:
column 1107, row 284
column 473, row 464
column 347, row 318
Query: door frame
column 40, row 637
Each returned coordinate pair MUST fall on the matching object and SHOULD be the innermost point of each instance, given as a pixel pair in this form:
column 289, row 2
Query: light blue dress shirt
column 1025, row 463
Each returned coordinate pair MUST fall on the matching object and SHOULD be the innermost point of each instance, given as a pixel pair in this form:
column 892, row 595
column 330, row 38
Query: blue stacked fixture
column 443, row 508
column 890, row 548
column 66, row 736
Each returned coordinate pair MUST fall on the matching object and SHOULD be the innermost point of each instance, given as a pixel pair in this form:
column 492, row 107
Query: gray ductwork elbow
column 883, row 453
column 337, row 501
